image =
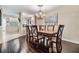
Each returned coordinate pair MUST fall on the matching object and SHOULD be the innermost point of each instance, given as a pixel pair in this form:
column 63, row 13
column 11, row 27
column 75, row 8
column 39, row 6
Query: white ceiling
column 28, row 9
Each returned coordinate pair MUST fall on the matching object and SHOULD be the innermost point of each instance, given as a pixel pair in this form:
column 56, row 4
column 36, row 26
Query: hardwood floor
column 67, row 47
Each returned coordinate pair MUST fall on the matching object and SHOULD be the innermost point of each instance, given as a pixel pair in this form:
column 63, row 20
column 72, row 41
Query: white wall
column 40, row 22
column 69, row 16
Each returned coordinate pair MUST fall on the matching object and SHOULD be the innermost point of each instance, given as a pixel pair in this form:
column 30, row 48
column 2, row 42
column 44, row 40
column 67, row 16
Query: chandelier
column 40, row 14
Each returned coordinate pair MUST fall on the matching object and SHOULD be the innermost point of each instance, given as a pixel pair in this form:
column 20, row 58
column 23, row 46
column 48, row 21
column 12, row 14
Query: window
column 26, row 21
column 51, row 20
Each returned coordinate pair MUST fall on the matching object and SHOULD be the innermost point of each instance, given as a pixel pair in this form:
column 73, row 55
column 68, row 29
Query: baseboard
column 70, row 41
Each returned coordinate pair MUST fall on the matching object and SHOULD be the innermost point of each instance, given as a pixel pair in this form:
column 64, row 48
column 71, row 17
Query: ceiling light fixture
column 40, row 14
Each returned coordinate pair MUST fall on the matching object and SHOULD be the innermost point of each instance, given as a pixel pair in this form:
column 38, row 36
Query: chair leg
column 59, row 47
column 50, row 46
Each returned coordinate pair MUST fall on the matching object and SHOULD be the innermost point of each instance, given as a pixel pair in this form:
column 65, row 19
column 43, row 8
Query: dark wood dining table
column 48, row 34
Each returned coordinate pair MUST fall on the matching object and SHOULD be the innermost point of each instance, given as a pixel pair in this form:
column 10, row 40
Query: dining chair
column 30, row 34
column 56, row 43
column 27, row 34
column 42, row 27
column 50, row 27
column 33, row 37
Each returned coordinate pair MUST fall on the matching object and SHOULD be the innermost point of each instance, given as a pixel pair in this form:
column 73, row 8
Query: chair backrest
column 50, row 27
column 27, row 33
column 60, row 31
column 12, row 46
column 34, row 30
column 42, row 27
column 27, row 30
